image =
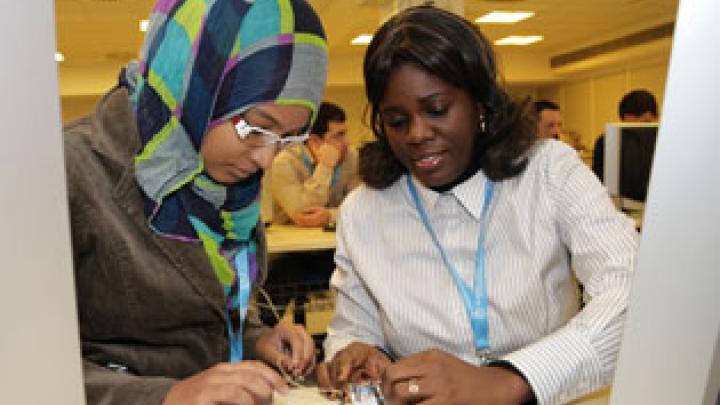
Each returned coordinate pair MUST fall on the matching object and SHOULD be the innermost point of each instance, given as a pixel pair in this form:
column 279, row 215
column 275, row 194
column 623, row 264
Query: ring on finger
column 413, row 386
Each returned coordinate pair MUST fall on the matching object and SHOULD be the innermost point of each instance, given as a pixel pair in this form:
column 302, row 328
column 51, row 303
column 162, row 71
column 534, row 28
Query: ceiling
column 99, row 36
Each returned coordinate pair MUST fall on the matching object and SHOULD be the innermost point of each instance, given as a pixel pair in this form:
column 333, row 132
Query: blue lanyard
column 242, row 272
column 311, row 169
column 475, row 299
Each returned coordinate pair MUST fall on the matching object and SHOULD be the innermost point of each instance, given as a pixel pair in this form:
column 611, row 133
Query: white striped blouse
column 546, row 228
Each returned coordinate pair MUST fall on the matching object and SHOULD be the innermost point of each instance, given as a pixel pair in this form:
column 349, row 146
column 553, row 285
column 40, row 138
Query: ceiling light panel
column 504, row 17
column 362, row 39
column 519, row 40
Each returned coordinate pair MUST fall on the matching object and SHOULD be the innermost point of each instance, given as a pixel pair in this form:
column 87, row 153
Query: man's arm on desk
column 296, row 194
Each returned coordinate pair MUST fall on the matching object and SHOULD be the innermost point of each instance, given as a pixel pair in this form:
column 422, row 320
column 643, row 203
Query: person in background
column 635, row 106
column 163, row 183
column 308, row 184
column 458, row 256
column 549, row 119
column 310, row 181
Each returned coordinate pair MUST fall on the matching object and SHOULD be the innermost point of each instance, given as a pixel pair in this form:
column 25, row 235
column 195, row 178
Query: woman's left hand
column 434, row 377
column 288, row 346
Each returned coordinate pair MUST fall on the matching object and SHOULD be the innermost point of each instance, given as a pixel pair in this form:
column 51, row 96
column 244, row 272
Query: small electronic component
column 365, row 393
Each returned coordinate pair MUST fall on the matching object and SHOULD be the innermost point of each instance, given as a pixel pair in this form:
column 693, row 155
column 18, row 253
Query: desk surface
column 290, row 238
column 302, row 396
column 310, row 396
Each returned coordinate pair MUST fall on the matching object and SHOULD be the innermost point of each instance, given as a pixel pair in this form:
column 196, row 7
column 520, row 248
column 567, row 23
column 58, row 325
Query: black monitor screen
column 637, row 147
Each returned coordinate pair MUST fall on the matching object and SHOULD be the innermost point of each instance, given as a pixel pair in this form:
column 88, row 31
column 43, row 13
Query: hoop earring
column 482, row 124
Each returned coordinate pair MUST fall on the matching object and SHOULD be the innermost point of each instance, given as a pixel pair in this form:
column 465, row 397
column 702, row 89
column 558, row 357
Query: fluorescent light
column 504, row 17
column 362, row 39
column 144, row 25
column 519, row 40
column 59, row 57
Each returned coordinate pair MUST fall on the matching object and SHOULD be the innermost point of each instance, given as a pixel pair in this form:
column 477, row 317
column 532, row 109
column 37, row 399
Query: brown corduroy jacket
column 150, row 309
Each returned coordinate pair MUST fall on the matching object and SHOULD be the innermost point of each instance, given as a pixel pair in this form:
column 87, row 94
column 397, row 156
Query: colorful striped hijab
column 203, row 62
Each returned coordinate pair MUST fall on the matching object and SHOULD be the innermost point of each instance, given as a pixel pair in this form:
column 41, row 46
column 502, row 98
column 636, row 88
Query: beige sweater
column 294, row 186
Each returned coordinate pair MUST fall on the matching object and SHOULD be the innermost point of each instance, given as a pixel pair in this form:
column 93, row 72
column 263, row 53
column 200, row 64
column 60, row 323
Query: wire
column 268, row 303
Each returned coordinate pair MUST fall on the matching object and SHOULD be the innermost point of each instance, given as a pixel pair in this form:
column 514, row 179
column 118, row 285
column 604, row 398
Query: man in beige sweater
column 307, row 184
column 309, row 181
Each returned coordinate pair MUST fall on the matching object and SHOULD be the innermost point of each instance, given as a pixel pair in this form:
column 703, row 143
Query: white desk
column 309, row 396
column 302, row 396
column 290, row 238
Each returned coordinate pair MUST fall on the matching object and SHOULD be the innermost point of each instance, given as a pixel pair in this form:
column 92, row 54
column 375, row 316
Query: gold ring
column 413, row 386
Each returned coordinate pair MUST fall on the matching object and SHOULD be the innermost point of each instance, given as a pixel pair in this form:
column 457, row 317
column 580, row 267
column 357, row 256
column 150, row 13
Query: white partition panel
column 670, row 351
column 39, row 350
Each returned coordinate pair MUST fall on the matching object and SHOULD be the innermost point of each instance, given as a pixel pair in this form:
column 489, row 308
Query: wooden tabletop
column 291, row 238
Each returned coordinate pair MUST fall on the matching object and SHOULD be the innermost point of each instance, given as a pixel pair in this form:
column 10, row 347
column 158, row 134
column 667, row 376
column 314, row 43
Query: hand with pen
column 250, row 382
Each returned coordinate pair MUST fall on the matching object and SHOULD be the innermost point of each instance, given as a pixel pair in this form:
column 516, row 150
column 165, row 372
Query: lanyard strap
column 243, row 298
column 311, row 169
column 475, row 299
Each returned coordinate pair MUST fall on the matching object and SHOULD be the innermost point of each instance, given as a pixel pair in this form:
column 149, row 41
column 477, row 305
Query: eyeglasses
column 244, row 130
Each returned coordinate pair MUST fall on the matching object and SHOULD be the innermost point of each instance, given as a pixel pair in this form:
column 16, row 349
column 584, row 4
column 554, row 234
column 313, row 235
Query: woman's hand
column 434, row 377
column 242, row 383
column 288, row 346
column 355, row 363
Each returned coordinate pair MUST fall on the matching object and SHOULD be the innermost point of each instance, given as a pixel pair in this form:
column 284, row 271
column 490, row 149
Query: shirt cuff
column 559, row 368
column 333, row 345
column 504, row 364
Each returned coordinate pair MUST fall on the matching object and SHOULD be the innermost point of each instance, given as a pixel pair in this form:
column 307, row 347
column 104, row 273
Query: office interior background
column 590, row 53
column 611, row 46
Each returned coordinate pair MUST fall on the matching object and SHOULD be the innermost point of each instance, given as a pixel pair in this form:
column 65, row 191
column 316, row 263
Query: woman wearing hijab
column 164, row 182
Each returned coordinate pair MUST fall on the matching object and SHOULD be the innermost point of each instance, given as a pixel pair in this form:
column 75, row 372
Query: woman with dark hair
column 459, row 257
column 464, row 59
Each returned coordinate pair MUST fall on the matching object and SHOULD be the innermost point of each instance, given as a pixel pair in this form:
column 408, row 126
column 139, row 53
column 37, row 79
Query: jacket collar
column 119, row 142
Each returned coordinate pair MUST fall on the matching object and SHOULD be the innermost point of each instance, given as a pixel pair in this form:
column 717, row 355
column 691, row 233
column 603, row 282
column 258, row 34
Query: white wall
column 671, row 347
column 39, row 351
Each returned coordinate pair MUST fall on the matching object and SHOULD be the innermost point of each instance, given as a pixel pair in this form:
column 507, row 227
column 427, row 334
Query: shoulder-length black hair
column 451, row 48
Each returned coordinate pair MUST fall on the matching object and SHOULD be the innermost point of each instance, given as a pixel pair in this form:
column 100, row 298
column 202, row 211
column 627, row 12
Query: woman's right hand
column 357, row 362
column 242, row 383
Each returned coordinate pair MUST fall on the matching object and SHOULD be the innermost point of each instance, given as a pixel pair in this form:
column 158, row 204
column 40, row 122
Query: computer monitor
column 629, row 151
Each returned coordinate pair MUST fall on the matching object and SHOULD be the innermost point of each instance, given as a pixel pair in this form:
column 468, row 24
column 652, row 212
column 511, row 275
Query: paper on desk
column 302, row 396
